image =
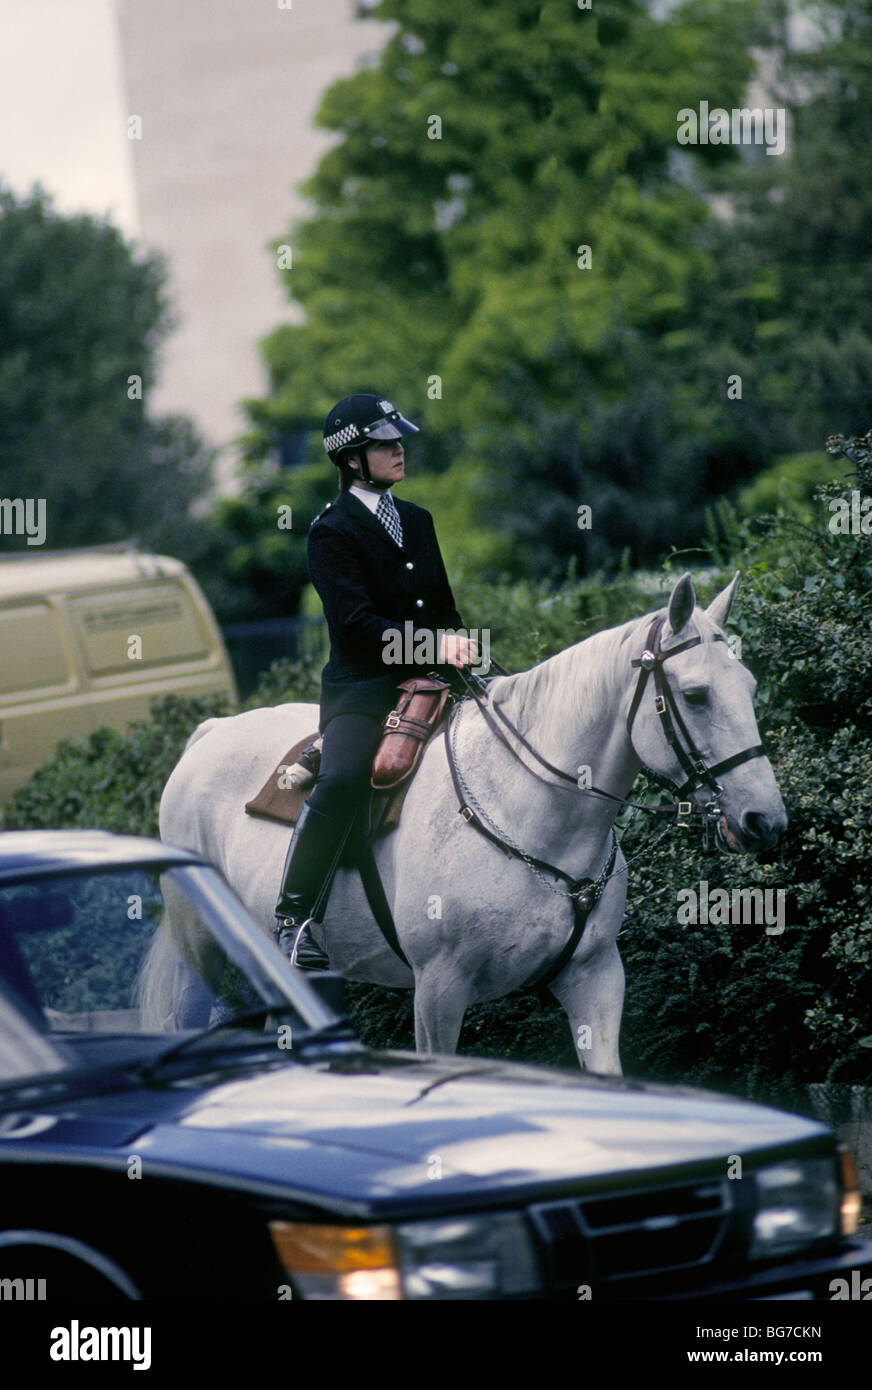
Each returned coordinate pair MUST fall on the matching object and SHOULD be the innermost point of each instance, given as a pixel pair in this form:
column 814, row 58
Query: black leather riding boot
column 310, row 855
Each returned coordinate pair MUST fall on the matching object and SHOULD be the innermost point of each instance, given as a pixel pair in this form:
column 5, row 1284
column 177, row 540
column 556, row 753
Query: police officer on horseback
column 377, row 567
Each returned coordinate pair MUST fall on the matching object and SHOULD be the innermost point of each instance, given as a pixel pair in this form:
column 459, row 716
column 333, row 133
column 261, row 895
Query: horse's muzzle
column 756, row 832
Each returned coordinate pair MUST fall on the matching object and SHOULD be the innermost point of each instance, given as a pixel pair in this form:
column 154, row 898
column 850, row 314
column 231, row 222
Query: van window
column 32, row 655
column 162, row 615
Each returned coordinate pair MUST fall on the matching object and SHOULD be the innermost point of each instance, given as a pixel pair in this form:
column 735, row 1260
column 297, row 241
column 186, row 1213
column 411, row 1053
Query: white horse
column 473, row 922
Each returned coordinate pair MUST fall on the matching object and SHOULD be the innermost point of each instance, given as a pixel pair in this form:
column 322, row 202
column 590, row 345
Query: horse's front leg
column 441, row 1000
column 591, row 988
column 591, row 991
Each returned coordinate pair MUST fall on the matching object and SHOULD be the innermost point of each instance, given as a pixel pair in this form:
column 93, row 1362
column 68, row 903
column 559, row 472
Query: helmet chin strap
column 366, row 476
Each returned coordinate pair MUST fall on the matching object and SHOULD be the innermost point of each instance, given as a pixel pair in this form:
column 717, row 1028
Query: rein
column 475, row 686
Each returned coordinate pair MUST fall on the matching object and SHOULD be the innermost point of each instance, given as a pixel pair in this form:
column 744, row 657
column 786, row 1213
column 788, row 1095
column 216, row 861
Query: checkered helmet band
column 347, row 435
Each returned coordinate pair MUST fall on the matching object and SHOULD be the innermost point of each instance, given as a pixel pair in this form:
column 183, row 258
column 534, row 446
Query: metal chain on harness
column 594, row 888
column 475, row 687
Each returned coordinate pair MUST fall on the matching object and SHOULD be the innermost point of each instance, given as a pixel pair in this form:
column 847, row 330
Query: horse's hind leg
column 440, row 1003
column 592, row 993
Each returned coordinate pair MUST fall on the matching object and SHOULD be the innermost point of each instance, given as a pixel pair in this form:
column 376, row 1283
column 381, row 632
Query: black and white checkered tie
column 387, row 513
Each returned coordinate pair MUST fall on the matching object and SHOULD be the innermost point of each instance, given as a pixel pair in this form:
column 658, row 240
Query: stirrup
column 307, row 954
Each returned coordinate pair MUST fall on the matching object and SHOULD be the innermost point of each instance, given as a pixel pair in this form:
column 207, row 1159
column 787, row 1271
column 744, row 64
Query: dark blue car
column 249, row 1146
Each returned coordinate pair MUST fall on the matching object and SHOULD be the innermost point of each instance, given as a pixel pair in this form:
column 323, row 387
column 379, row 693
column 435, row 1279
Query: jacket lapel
column 359, row 513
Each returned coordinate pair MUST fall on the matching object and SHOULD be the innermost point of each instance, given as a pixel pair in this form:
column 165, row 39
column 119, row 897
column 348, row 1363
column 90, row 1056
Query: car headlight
column 461, row 1257
column 798, row 1201
column 468, row 1257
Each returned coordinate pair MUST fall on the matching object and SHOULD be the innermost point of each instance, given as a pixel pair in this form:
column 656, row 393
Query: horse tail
column 171, row 992
column 155, row 984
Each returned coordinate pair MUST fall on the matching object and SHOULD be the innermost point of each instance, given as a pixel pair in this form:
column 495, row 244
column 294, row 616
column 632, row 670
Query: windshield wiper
column 250, row 1016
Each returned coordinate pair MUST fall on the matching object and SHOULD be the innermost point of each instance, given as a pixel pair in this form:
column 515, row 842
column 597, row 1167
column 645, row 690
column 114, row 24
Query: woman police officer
column 377, row 567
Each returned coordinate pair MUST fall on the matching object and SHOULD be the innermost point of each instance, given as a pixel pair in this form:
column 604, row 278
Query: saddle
column 420, row 713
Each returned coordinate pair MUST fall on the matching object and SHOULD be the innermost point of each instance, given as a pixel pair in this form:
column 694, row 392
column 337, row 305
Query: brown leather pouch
column 407, row 729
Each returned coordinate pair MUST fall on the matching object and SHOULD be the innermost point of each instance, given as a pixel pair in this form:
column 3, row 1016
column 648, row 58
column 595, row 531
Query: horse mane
column 590, row 669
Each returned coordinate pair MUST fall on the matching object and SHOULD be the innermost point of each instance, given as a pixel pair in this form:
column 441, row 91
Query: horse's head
column 698, row 713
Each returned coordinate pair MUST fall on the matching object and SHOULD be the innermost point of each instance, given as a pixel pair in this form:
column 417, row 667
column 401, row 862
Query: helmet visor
column 391, row 427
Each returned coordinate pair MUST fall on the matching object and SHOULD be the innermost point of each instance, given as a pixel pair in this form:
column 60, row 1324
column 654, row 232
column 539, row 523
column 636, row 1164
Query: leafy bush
column 286, row 681
column 790, row 484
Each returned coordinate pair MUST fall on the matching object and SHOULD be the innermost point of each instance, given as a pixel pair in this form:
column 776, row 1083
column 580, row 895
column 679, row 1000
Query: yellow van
column 89, row 638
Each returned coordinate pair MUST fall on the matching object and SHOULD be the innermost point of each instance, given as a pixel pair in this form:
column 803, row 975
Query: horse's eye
column 696, row 697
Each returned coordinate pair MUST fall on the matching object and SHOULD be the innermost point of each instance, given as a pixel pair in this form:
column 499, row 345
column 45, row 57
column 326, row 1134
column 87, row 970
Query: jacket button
column 419, row 603
column 409, row 565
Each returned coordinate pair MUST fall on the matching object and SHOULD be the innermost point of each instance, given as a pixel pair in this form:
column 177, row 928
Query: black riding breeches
column 350, row 741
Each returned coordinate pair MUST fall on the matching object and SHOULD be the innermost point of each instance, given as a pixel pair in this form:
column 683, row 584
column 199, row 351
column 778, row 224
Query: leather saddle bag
column 406, row 730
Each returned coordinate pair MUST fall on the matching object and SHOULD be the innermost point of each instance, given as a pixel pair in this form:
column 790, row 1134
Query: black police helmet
column 363, row 419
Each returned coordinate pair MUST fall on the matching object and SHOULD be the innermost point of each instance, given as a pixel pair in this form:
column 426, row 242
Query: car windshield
column 116, row 964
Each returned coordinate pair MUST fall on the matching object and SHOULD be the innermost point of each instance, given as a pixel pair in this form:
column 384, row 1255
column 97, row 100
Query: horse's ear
column 681, row 603
column 719, row 608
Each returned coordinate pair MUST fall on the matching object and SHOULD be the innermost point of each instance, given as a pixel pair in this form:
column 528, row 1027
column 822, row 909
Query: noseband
column 698, row 773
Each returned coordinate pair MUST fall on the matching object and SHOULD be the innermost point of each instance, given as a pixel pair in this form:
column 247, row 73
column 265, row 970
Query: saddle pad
column 281, row 803
column 276, row 801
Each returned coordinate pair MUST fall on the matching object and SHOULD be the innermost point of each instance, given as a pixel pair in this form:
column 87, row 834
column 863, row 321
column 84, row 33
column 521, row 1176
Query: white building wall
column 226, row 91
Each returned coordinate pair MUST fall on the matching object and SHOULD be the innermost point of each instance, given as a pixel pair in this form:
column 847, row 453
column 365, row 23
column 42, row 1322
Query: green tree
column 81, row 322
column 790, row 307
column 441, row 262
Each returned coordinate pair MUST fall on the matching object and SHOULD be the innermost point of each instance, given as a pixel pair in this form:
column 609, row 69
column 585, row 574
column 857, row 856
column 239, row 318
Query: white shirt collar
column 369, row 499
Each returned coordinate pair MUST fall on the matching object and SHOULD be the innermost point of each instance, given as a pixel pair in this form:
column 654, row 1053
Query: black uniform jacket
column 370, row 587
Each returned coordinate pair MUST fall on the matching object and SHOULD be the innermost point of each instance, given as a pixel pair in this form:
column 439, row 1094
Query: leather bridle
column 698, row 773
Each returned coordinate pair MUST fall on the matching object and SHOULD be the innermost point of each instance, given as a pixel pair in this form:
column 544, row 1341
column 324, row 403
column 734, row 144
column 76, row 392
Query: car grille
column 604, row 1240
